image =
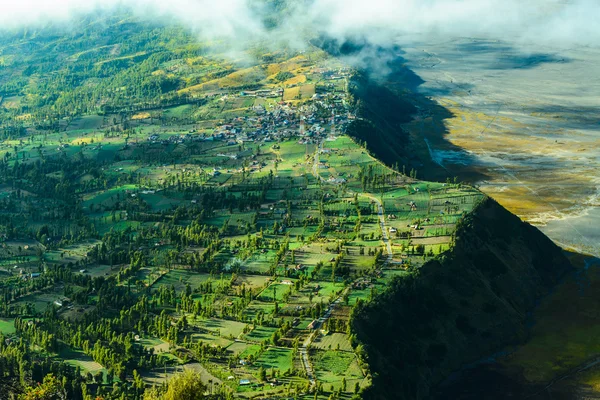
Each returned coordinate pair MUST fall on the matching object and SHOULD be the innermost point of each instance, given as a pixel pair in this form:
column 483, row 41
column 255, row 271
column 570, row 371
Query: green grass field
column 79, row 359
column 276, row 357
column 333, row 341
column 224, row 328
column 331, row 366
column 260, row 334
column 7, row 326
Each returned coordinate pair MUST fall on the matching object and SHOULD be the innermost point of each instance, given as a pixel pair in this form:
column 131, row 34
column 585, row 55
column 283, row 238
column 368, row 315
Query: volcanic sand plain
column 525, row 119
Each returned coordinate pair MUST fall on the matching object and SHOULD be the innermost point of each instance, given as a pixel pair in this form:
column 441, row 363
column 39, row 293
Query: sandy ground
column 527, row 121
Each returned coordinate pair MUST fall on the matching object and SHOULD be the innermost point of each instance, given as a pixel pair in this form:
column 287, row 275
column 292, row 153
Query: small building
column 244, row 382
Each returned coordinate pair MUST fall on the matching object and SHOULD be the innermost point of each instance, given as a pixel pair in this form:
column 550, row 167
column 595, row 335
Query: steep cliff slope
column 459, row 308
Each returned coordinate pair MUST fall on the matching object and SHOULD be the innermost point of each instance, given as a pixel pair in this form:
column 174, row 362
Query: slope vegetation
column 458, row 308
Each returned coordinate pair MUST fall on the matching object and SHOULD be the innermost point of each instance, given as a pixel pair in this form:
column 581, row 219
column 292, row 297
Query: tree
column 138, row 381
column 50, row 389
column 99, row 377
column 275, row 338
column 420, row 249
column 262, row 374
column 184, row 386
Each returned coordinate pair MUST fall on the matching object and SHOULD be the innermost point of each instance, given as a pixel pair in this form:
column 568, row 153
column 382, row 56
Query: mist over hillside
column 527, row 24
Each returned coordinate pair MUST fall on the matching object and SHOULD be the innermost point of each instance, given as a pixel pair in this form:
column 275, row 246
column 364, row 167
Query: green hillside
column 165, row 206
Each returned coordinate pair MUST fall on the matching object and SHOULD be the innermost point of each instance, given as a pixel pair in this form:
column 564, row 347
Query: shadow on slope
column 455, row 310
column 385, row 94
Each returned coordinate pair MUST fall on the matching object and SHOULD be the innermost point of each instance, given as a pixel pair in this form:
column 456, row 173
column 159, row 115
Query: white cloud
column 559, row 22
column 532, row 21
column 223, row 18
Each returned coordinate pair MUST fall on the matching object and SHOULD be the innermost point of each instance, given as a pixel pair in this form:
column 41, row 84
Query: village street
column 316, row 161
column 309, row 339
column 384, row 232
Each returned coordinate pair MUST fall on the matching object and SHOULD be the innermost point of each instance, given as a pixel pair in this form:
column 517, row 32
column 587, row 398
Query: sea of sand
column 523, row 125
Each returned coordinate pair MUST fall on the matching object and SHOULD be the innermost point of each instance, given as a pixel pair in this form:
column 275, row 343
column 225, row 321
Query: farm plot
column 333, row 341
column 331, row 366
column 279, row 358
column 260, row 334
column 7, row 326
column 78, row 358
column 225, row 328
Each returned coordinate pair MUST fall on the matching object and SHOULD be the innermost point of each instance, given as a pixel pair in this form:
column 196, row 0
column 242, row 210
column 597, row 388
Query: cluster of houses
column 265, row 93
column 282, row 121
column 298, row 267
column 332, row 74
column 364, row 283
column 173, row 139
column 338, row 180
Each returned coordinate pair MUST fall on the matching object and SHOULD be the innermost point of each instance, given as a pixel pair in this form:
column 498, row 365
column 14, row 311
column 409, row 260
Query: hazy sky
column 558, row 22
column 227, row 18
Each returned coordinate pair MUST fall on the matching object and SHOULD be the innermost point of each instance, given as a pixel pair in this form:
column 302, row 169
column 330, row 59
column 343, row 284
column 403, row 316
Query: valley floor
column 521, row 125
